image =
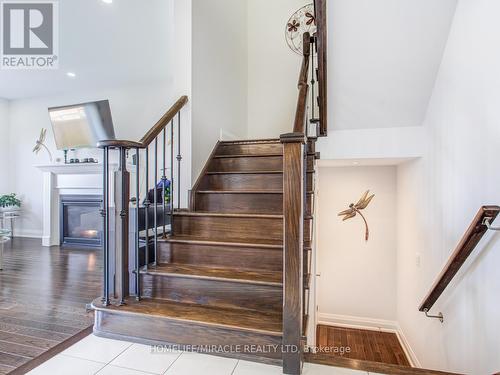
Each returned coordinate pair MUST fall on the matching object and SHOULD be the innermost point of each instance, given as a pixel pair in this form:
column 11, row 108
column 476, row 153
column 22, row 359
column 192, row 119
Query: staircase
column 218, row 280
column 231, row 275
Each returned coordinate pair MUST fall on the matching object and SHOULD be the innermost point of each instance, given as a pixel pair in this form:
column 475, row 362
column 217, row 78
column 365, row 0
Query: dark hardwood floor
column 375, row 346
column 43, row 293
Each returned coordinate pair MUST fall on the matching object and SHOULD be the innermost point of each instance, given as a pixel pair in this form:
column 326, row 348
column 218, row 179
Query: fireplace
column 81, row 221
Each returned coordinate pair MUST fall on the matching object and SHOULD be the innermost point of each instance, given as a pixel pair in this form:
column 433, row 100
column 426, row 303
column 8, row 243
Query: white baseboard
column 26, row 233
column 373, row 325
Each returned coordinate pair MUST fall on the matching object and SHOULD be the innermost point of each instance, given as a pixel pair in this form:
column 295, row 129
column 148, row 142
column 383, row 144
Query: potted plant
column 9, row 202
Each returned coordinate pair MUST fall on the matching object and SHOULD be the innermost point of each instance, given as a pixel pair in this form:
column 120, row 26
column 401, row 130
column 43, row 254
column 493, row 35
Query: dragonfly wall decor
column 40, row 143
column 355, row 209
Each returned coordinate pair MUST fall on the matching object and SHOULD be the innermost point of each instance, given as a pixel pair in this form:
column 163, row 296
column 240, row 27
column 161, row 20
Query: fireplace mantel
column 67, row 179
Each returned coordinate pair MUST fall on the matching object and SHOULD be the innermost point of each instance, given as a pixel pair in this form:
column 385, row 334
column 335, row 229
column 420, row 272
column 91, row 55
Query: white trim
column 27, row 233
column 372, row 324
column 410, row 354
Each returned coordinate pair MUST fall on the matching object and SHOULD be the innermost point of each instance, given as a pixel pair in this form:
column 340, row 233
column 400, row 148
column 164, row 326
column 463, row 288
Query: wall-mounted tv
column 82, row 125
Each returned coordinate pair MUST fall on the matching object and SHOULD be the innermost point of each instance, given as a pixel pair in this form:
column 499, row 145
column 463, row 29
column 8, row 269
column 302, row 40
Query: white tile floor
column 94, row 355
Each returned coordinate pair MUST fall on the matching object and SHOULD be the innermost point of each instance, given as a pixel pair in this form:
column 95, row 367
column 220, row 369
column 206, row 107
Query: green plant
column 9, row 200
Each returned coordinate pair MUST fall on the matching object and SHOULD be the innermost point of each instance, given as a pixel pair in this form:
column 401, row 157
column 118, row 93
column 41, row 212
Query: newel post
column 122, row 199
column 293, row 243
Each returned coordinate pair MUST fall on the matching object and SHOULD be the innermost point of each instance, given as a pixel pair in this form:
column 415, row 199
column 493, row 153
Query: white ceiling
column 106, row 45
column 384, row 56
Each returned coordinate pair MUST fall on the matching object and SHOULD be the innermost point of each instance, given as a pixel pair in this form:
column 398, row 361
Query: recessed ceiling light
column 355, row 162
column 107, row 1
column 71, row 74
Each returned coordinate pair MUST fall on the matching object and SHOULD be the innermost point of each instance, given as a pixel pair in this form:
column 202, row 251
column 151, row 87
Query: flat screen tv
column 82, row 125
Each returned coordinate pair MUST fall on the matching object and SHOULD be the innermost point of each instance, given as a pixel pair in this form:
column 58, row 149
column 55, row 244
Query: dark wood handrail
column 303, row 85
column 467, row 244
column 322, row 44
column 154, row 132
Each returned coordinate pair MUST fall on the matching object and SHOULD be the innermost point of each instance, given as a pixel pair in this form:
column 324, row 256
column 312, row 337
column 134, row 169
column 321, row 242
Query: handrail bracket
column 438, row 316
column 487, row 223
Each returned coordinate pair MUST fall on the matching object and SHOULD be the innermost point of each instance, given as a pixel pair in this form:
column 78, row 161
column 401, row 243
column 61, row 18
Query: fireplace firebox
column 81, row 221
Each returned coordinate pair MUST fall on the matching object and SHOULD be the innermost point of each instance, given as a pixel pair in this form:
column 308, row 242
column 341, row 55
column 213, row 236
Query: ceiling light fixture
column 71, row 74
column 107, row 1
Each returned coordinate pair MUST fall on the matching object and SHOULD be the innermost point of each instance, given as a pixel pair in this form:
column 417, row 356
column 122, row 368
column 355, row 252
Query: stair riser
column 250, row 149
column 229, row 228
column 240, row 203
column 246, row 182
column 214, row 293
column 160, row 331
column 221, row 256
column 239, row 182
column 244, row 164
column 245, row 203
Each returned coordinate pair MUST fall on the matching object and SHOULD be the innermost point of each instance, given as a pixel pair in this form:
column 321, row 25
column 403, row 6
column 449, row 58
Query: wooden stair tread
column 268, row 243
column 245, row 172
column 246, row 156
column 257, row 277
column 241, row 319
column 218, row 214
column 250, row 141
column 239, row 192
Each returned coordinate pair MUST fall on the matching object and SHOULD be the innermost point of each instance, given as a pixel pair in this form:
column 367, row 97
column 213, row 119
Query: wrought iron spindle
column 179, row 159
column 137, row 236
column 155, row 200
column 313, row 81
column 171, row 177
column 147, row 203
column 164, row 181
column 105, row 216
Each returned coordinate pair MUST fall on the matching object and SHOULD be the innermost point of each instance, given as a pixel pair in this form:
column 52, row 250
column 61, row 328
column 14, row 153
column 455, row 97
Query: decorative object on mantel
column 355, row 209
column 302, row 21
column 9, row 202
column 40, row 143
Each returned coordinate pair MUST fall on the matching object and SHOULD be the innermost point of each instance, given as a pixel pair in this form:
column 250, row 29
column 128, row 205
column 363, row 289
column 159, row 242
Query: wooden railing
column 322, row 48
column 470, row 240
column 116, row 275
column 306, row 128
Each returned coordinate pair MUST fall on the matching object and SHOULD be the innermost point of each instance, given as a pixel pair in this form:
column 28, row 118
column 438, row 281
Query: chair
column 4, row 237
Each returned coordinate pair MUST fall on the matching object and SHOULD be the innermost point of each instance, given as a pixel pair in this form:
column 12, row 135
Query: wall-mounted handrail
column 466, row 246
column 154, row 132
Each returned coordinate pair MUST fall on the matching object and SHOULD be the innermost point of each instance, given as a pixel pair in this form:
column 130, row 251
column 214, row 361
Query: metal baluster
column 137, row 237
column 179, row 158
column 172, row 177
column 313, row 81
column 164, row 180
column 155, row 200
column 105, row 216
column 147, row 203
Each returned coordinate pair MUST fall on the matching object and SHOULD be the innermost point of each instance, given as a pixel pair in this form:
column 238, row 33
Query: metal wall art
column 355, row 209
column 300, row 22
column 40, row 143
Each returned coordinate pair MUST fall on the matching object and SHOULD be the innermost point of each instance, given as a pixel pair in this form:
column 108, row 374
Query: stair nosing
column 239, row 192
column 99, row 307
column 239, row 156
column 221, row 243
column 221, row 214
column 153, row 272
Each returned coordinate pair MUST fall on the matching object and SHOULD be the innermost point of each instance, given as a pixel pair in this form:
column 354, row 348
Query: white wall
column 134, row 109
column 358, row 278
column 273, row 69
column 4, row 146
column 440, row 194
column 219, row 75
